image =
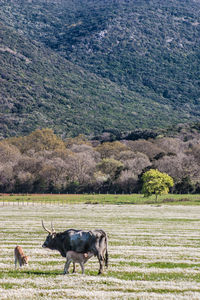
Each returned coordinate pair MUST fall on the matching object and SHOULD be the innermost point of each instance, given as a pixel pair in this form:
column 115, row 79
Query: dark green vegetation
column 82, row 66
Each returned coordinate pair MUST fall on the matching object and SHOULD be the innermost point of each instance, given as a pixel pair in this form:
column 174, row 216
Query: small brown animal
column 20, row 257
column 76, row 257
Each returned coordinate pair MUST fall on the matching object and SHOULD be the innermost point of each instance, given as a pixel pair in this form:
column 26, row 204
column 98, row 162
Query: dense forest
column 84, row 66
column 113, row 162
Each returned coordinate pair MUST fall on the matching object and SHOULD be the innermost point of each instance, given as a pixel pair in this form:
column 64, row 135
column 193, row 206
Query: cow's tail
column 106, row 254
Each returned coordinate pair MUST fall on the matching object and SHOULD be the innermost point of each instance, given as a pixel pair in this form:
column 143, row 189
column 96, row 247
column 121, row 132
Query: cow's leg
column 101, row 260
column 82, row 267
column 74, row 267
column 66, row 268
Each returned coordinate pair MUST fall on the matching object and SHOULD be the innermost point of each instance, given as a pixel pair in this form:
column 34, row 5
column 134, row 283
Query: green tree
column 155, row 182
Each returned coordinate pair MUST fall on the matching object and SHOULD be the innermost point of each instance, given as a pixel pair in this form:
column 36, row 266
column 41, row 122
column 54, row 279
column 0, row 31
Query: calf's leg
column 74, row 267
column 20, row 263
column 66, row 268
column 15, row 262
column 82, row 267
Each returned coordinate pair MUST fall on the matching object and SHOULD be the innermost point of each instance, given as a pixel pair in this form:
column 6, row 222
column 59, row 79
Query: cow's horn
column 52, row 228
column 49, row 231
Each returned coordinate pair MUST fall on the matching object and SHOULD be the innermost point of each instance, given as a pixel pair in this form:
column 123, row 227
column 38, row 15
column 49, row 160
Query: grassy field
column 187, row 199
column 153, row 252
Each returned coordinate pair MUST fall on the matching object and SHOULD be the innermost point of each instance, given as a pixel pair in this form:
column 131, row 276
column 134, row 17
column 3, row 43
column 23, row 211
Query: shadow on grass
column 22, row 273
column 30, row 273
column 44, row 273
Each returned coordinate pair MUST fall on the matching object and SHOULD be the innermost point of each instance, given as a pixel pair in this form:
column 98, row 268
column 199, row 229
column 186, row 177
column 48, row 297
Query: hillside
column 82, row 66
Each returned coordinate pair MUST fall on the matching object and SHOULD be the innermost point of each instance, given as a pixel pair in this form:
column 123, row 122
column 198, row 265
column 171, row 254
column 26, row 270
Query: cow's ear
column 53, row 235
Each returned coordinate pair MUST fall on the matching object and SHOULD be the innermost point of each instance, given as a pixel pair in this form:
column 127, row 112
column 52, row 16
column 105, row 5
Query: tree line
column 42, row 162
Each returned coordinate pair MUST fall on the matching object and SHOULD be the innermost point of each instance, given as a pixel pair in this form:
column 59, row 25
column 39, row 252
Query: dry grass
column 154, row 252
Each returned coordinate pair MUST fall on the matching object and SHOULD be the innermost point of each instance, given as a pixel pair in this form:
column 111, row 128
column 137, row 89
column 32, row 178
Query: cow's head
column 50, row 239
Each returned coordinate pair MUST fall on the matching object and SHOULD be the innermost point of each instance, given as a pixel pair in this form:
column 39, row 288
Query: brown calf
column 20, row 257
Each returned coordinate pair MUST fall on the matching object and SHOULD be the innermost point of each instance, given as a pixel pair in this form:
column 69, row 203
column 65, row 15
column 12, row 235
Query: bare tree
column 127, row 181
column 9, row 153
column 6, row 177
column 145, row 147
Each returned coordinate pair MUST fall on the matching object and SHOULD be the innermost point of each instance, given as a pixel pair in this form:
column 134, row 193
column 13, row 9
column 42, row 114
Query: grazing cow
column 76, row 257
column 20, row 257
column 80, row 241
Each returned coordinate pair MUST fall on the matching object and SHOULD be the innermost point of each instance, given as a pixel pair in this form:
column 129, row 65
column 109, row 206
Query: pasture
column 154, row 252
column 26, row 199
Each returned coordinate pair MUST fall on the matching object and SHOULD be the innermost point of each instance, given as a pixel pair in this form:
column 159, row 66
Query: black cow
column 94, row 241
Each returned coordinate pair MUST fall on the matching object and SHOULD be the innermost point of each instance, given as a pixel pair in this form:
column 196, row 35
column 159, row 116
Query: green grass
column 155, row 276
column 160, row 265
column 26, row 199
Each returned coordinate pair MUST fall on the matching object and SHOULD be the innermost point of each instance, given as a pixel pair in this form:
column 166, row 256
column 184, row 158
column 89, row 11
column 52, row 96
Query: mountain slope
column 41, row 89
column 81, row 66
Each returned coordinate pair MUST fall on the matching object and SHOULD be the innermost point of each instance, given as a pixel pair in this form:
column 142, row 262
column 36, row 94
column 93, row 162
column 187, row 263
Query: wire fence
column 21, row 203
column 65, row 199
